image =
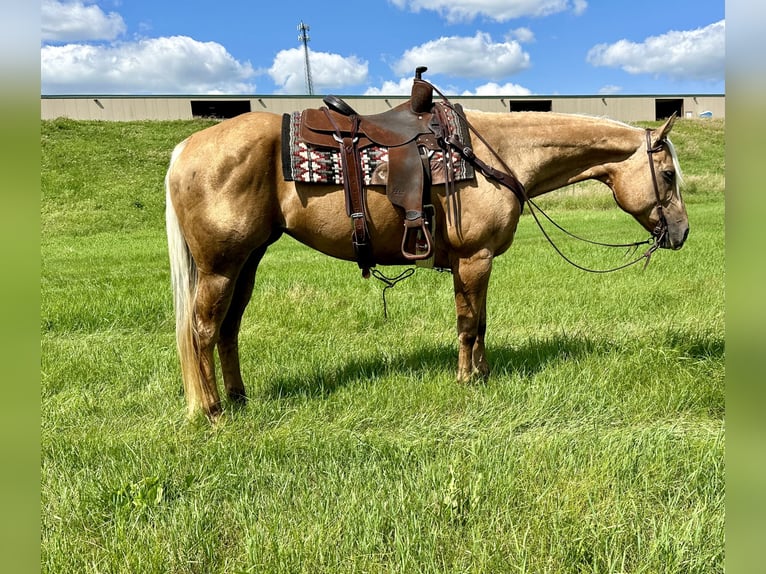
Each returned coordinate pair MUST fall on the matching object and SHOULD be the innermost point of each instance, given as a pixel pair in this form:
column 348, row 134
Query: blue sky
column 510, row 47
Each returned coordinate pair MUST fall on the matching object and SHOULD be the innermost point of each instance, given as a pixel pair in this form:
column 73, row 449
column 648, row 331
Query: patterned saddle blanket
column 307, row 163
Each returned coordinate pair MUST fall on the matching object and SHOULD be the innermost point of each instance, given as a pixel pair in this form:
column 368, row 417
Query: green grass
column 596, row 446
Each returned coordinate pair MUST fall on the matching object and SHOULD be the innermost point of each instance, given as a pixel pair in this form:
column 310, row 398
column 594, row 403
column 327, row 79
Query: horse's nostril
column 680, row 244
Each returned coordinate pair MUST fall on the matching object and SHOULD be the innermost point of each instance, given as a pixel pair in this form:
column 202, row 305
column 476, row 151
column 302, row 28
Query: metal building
column 618, row 107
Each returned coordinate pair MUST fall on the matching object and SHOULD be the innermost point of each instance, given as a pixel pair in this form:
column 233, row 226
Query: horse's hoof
column 481, row 374
column 238, row 397
column 211, row 413
column 476, row 376
column 237, row 401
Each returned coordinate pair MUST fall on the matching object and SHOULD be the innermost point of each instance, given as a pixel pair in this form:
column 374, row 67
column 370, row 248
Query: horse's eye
column 669, row 176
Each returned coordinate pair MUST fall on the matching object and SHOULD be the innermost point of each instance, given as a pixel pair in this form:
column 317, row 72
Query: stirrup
column 423, row 243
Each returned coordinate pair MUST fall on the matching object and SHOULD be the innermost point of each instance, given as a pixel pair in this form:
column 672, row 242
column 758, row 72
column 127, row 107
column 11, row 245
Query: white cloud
column 579, row 6
column 74, row 21
column 498, row 10
column 466, row 57
column 401, row 88
column 493, row 89
column 328, row 71
column 172, row 65
column 610, row 89
column 686, row 55
column 523, row 35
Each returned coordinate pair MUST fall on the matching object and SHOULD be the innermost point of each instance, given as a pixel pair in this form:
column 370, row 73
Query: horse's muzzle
column 674, row 238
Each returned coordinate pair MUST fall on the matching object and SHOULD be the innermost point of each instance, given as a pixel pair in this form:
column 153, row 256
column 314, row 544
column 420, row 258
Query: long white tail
column 183, row 280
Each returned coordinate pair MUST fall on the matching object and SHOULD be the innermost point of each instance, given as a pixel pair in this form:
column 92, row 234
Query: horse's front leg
column 470, row 276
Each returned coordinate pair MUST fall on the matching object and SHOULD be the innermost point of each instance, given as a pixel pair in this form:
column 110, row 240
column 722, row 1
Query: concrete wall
column 126, row 108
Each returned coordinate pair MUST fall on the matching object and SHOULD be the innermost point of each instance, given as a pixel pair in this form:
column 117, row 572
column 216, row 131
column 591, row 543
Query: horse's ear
column 661, row 133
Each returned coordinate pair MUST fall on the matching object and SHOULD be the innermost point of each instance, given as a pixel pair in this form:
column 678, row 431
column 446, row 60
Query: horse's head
column 647, row 185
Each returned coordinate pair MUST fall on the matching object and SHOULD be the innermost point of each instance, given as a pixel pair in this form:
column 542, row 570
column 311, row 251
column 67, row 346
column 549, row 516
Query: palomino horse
column 227, row 202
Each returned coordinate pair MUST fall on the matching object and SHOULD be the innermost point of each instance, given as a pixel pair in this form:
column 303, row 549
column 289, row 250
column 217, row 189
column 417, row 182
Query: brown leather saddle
column 411, row 132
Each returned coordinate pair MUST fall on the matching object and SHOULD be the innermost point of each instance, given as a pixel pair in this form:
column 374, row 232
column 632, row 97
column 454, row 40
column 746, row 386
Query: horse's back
column 238, row 137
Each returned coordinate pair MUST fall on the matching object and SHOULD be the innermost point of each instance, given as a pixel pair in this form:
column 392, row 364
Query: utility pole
column 304, row 39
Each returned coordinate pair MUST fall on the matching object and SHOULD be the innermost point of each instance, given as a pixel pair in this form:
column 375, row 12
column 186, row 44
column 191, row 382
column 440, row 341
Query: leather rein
column 509, row 180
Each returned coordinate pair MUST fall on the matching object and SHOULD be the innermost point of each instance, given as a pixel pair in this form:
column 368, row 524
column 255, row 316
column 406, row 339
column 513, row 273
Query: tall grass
column 596, row 446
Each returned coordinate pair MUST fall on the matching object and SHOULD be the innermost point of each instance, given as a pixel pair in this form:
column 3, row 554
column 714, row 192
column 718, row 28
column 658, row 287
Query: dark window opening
column 221, row 109
column 663, row 109
column 531, row 105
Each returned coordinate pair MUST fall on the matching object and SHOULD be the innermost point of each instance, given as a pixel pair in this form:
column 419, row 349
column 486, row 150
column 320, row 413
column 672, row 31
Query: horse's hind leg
column 214, row 294
column 471, row 279
column 228, row 343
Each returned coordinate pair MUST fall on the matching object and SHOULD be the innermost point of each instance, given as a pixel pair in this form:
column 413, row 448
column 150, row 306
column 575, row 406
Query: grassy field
column 596, row 446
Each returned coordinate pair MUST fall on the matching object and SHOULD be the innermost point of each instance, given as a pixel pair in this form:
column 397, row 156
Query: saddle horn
column 422, row 97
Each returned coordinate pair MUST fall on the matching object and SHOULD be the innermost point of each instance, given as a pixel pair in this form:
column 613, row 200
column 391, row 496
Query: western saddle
column 411, row 132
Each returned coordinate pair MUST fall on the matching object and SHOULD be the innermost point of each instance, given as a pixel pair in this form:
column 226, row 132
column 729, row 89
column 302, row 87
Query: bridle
column 508, row 179
column 661, row 229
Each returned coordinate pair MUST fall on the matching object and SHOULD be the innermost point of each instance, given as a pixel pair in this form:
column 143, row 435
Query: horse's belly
column 316, row 216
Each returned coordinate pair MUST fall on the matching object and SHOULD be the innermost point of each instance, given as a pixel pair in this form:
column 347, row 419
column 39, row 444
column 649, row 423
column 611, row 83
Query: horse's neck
column 547, row 151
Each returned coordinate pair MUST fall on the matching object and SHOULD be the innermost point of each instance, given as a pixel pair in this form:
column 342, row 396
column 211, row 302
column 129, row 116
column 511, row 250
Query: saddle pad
column 310, row 164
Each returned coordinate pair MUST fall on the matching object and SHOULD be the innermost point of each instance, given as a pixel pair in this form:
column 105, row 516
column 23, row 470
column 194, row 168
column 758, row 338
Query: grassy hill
column 596, row 446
